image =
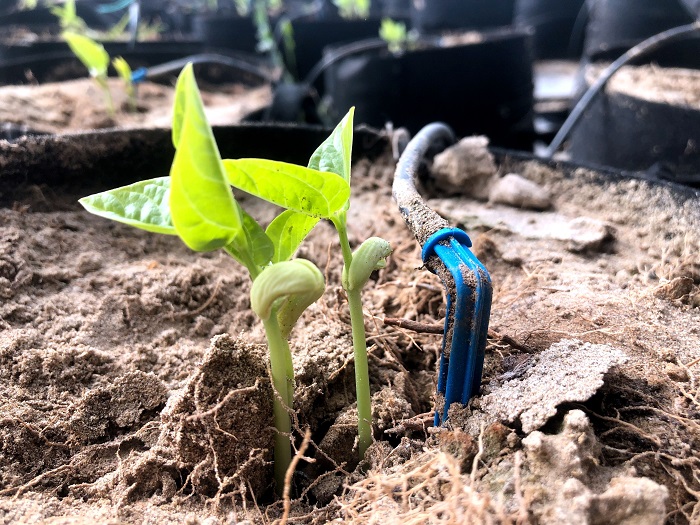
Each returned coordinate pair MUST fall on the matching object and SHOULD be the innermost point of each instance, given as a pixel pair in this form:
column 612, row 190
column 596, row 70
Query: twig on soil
column 202, row 307
column 419, row 422
column 438, row 328
column 212, row 411
column 477, row 458
column 19, row 490
column 290, row 472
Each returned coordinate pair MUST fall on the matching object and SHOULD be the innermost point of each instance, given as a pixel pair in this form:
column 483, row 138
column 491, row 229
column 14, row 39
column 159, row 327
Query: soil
column 79, row 105
column 135, row 386
column 674, row 86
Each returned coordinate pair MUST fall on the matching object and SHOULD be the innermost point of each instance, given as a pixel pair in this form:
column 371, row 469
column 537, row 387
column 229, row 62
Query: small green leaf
column 202, row 205
column 259, row 243
column 293, row 187
column 123, row 69
column 92, row 54
column 335, row 153
column 287, row 231
column 298, row 279
column 143, row 205
column 370, row 256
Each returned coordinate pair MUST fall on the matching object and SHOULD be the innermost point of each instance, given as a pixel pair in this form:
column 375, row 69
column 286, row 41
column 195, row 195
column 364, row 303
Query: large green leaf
column 293, row 187
column 202, row 205
column 143, row 205
column 179, row 104
column 287, row 231
column 92, row 54
column 335, row 153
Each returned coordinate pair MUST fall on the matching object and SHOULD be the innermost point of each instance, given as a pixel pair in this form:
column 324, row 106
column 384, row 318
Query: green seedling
column 124, row 71
column 68, row 17
column 333, row 158
column 353, row 8
column 394, row 34
column 197, row 204
column 94, row 57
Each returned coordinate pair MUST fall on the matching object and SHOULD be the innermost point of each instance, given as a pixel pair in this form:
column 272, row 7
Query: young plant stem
column 359, row 344
column 283, row 383
column 102, row 82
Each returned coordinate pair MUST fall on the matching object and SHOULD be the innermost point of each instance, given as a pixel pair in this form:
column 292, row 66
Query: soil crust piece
column 135, row 384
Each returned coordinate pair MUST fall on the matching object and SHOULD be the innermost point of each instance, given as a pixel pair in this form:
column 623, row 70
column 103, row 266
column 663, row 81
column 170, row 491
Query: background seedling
column 333, row 158
column 197, row 204
column 94, row 57
column 394, row 34
column 353, row 8
column 124, row 71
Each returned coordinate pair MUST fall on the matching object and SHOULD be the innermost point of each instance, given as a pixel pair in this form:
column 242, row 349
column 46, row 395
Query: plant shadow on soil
column 135, row 382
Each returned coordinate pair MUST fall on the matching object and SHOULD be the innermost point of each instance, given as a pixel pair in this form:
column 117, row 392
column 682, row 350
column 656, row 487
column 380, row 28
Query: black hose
column 236, row 63
column 421, row 220
column 648, row 45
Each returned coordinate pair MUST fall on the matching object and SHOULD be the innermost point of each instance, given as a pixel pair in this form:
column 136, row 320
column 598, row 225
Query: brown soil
column 134, row 383
column 79, row 105
column 675, row 86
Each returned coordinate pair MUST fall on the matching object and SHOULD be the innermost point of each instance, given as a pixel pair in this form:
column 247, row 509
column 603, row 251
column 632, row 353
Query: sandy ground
column 134, row 382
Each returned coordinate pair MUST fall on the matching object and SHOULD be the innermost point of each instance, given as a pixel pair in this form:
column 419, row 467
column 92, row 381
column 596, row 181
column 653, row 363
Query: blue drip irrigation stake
column 469, row 301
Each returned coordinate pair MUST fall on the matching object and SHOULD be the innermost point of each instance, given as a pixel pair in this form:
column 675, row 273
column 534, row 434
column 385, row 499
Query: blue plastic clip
column 139, row 75
column 467, row 319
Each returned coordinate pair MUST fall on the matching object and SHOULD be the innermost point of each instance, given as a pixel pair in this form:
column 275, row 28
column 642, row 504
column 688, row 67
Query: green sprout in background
column 68, row 17
column 333, row 157
column 353, row 8
column 94, row 57
column 124, row 71
column 196, row 203
column 394, row 34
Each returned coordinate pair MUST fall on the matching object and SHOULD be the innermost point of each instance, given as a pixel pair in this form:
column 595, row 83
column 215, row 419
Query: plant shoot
column 332, row 159
column 196, row 203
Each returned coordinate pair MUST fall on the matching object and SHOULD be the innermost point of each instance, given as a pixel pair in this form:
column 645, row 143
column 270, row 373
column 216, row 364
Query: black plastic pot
column 558, row 26
column 630, row 133
column 225, row 31
column 430, row 16
column 54, row 61
column 483, row 87
column 312, row 36
column 98, row 160
column 617, row 25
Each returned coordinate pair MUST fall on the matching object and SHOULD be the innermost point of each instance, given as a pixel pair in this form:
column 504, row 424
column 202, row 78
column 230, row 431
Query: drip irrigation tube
column 467, row 282
column 206, row 58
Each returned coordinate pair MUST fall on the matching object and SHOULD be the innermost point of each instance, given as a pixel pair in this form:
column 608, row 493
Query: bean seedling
column 124, row 71
column 333, row 158
column 353, row 8
column 94, row 57
column 196, row 203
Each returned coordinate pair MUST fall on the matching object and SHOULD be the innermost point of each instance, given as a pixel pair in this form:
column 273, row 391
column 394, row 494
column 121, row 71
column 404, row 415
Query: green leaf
column 260, row 246
column 335, row 153
column 287, row 231
column 123, row 69
column 92, row 54
column 202, row 205
column 143, row 205
column 293, row 187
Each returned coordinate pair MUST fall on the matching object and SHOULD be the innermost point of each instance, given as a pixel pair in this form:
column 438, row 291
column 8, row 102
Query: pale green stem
column 359, row 344
column 102, row 82
column 283, row 384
